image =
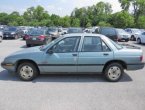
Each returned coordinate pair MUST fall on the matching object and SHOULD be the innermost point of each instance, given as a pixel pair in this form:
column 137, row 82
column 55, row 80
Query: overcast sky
column 59, row 7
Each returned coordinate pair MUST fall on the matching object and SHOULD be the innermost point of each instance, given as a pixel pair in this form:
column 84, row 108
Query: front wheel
column 27, row 71
column 113, row 72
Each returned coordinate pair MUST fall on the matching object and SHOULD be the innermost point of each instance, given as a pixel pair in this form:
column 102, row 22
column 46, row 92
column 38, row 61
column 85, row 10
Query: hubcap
column 26, row 72
column 114, row 73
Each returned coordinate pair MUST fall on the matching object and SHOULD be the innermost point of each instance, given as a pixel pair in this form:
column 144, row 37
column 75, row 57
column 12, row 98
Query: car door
column 62, row 56
column 93, row 55
column 143, row 37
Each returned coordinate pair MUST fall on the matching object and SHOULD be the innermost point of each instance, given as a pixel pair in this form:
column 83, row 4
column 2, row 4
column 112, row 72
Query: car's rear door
column 93, row 55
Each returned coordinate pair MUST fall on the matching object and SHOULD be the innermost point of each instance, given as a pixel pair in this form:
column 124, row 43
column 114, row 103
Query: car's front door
column 62, row 56
column 93, row 55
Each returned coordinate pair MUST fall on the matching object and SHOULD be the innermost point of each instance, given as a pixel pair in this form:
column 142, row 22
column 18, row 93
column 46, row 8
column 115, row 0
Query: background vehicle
column 11, row 32
column 134, row 33
column 76, row 53
column 74, row 30
column 141, row 38
column 1, row 36
column 53, row 32
column 37, row 37
column 122, row 35
column 109, row 32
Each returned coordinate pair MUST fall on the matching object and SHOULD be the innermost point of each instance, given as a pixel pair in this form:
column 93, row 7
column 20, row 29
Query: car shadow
column 24, row 46
column 73, row 78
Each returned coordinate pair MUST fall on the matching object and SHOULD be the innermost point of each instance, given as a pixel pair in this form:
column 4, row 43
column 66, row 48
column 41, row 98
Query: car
column 75, row 53
column 37, row 37
column 110, row 32
column 74, row 30
column 123, row 35
column 134, row 33
column 54, row 32
column 1, row 36
column 141, row 38
column 10, row 32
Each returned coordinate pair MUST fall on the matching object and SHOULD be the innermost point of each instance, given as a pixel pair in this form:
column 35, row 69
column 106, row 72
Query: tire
column 27, row 71
column 1, row 39
column 139, row 41
column 113, row 72
column 126, row 40
column 28, row 45
column 133, row 38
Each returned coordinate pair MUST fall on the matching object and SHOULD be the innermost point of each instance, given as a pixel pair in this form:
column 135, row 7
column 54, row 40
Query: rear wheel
column 27, row 71
column 139, row 41
column 113, row 72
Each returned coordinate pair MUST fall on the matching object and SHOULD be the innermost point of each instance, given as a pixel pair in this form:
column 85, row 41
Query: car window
column 108, row 31
column 143, row 33
column 69, row 44
column 92, row 44
column 105, row 47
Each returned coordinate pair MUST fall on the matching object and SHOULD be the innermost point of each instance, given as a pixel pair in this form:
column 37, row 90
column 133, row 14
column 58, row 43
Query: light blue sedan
column 76, row 53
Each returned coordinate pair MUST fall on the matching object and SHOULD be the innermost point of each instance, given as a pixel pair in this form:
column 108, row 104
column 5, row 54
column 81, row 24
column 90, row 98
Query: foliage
column 96, row 15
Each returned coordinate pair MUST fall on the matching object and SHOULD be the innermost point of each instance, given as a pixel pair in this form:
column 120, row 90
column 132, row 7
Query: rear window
column 108, row 31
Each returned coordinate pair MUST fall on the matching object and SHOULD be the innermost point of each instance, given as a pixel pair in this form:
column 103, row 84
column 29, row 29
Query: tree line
column 96, row 15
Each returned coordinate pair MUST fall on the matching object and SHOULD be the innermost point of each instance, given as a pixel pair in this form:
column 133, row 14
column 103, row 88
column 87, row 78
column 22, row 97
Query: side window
column 69, row 44
column 105, row 47
column 143, row 33
column 108, row 31
column 92, row 44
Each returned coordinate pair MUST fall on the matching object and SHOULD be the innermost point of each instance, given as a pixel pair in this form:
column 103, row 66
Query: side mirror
column 50, row 51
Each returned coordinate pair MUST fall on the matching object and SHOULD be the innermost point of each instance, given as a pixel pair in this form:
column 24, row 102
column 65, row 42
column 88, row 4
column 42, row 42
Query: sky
column 59, row 7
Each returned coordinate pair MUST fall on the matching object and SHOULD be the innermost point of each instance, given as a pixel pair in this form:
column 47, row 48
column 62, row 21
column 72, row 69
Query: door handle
column 105, row 54
column 74, row 54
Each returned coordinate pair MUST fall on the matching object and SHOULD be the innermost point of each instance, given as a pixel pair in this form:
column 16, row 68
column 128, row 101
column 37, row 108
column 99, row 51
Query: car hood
column 27, row 51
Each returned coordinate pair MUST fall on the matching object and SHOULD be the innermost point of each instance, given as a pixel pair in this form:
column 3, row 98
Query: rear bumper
column 35, row 42
column 135, row 66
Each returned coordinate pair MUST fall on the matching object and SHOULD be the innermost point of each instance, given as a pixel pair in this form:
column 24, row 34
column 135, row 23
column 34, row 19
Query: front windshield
column 120, row 31
column 136, row 30
column 44, row 47
column 52, row 30
column 11, row 29
column 75, row 30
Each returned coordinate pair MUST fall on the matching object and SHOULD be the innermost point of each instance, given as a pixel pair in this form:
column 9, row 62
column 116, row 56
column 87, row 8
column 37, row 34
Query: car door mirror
column 50, row 51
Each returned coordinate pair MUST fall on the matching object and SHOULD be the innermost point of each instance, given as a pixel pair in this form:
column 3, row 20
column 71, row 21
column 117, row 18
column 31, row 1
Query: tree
column 102, row 23
column 138, row 7
column 122, row 19
column 75, row 22
column 141, row 22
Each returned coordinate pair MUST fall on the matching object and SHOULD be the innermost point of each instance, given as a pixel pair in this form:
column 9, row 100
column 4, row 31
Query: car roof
column 83, row 34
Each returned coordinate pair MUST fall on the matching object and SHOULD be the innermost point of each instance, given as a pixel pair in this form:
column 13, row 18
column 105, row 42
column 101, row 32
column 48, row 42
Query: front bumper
column 8, row 66
column 9, row 36
column 135, row 66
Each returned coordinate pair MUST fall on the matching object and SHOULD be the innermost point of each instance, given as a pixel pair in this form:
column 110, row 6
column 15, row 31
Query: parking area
column 69, row 92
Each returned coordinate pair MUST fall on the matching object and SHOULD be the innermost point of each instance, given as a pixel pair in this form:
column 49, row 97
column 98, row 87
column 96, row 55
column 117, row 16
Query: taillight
column 41, row 37
column 141, row 58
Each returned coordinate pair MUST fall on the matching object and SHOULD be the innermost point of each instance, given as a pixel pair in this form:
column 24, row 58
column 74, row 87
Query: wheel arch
column 124, row 65
column 26, row 61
